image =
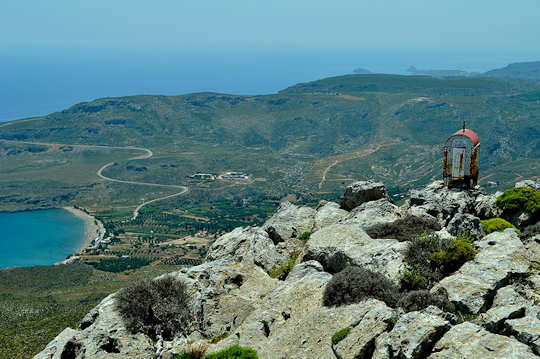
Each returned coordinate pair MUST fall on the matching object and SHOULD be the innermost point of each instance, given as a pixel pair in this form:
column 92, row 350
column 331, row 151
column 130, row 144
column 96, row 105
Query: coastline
column 93, row 228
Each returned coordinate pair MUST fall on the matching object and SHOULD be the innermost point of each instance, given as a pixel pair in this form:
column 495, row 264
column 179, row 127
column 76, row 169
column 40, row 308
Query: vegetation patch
column 305, row 236
column 340, row 335
column 431, row 258
column 160, row 306
column 519, row 199
column 234, row 352
column 281, row 272
column 121, row 264
column 419, row 299
column 354, row 284
column 497, row 225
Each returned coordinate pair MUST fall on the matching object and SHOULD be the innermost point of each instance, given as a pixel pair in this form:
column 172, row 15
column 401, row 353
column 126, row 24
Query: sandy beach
column 92, row 228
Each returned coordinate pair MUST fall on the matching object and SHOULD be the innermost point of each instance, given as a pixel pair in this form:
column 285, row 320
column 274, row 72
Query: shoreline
column 93, row 228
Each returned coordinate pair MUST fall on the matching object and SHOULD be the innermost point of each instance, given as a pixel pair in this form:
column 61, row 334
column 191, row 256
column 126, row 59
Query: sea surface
column 41, row 237
column 40, row 80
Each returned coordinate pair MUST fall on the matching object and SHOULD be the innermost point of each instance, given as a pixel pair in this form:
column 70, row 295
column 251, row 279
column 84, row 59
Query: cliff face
column 233, row 298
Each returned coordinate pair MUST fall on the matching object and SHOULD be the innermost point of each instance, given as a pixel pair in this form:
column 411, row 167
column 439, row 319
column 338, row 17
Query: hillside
column 518, row 70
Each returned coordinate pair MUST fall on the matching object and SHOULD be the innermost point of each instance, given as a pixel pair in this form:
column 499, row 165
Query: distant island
column 440, row 73
column 361, row 71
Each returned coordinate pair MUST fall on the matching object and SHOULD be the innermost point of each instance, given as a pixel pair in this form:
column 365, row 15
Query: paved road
column 148, row 153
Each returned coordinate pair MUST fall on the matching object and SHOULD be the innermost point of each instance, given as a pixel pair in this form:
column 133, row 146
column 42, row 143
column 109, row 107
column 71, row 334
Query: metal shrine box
column 461, row 159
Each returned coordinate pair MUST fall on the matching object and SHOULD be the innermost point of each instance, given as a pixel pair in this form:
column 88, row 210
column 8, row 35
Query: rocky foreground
column 236, row 301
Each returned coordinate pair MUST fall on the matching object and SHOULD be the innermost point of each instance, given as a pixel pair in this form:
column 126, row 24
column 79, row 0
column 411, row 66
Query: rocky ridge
column 235, row 301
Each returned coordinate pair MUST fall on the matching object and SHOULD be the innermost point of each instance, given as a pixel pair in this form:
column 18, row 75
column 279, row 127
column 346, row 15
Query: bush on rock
column 155, row 307
column 520, row 199
column 420, row 299
column 353, row 284
column 234, row 352
column 340, row 335
column 496, row 225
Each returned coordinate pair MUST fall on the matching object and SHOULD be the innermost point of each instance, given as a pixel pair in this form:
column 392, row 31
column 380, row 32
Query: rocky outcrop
column 361, row 192
column 342, row 244
column 413, row 336
column 468, row 340
column 247, row 244
column 289, row 221
column 501, row 257
column 235, row 301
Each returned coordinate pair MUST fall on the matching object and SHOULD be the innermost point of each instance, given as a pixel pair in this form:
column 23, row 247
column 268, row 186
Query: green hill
column 518, row 70
column 306, row 140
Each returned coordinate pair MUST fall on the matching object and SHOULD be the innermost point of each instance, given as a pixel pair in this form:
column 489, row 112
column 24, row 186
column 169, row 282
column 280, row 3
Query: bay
column 41, row 237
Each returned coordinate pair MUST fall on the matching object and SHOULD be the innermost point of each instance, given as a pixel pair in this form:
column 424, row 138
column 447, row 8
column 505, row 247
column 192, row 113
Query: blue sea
column 41, row 237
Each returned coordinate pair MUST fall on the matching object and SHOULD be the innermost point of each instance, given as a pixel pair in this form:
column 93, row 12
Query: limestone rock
column 328, row 213
column 291, row 321
column 362, row 191
column 104, row 337
column 466, row 223
column 468, row 340
column 501, row 256
column 484, row 206
column 441, row 202
column 289, row 221
column 342, row 244
column 528, row 183
column 413, row 336
column 376, row 319
column 246, row 244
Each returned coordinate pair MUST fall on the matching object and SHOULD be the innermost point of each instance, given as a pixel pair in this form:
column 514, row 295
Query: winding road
column 148, row 153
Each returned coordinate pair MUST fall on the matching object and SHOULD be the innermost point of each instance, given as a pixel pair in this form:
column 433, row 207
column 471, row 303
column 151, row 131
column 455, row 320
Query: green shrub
column 155, row 307
column 340, row 335
column 454, row 256
column 353, row 284
column 520, row 199
column 432, row 259
column 420, row 299
column 413, row 280
column 281, row 272
column 234, row 352
column 117, row 265
column 305, row 236
column 496, row 225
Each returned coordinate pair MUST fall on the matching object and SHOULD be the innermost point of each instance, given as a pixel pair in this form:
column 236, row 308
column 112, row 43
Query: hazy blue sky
column 424, row 24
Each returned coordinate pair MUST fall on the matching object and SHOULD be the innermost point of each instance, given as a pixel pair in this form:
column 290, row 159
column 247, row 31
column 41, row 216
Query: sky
column 310, row 24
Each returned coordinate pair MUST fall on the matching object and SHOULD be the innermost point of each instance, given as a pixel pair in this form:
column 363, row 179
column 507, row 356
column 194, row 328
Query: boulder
column 466, row 223
column 328, row 213
column 289, row 221
column 361, row 192
column 377, row 319
column 484, row 206
column 249, row 244
column 441, row 202
column 342, row 244
column 501, row 257
column 413, row 336
column 468, row 340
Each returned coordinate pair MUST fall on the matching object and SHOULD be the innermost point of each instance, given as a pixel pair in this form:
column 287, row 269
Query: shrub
column 412, row 280
column 353, row 284
column 496, row 225
column 305, row 236
column 155, row 307
column 281, row 272
column 520, row 199
column 234, row 352
column 420, row 299
column 340, row 335
column 456, row 254
column 433, row 258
